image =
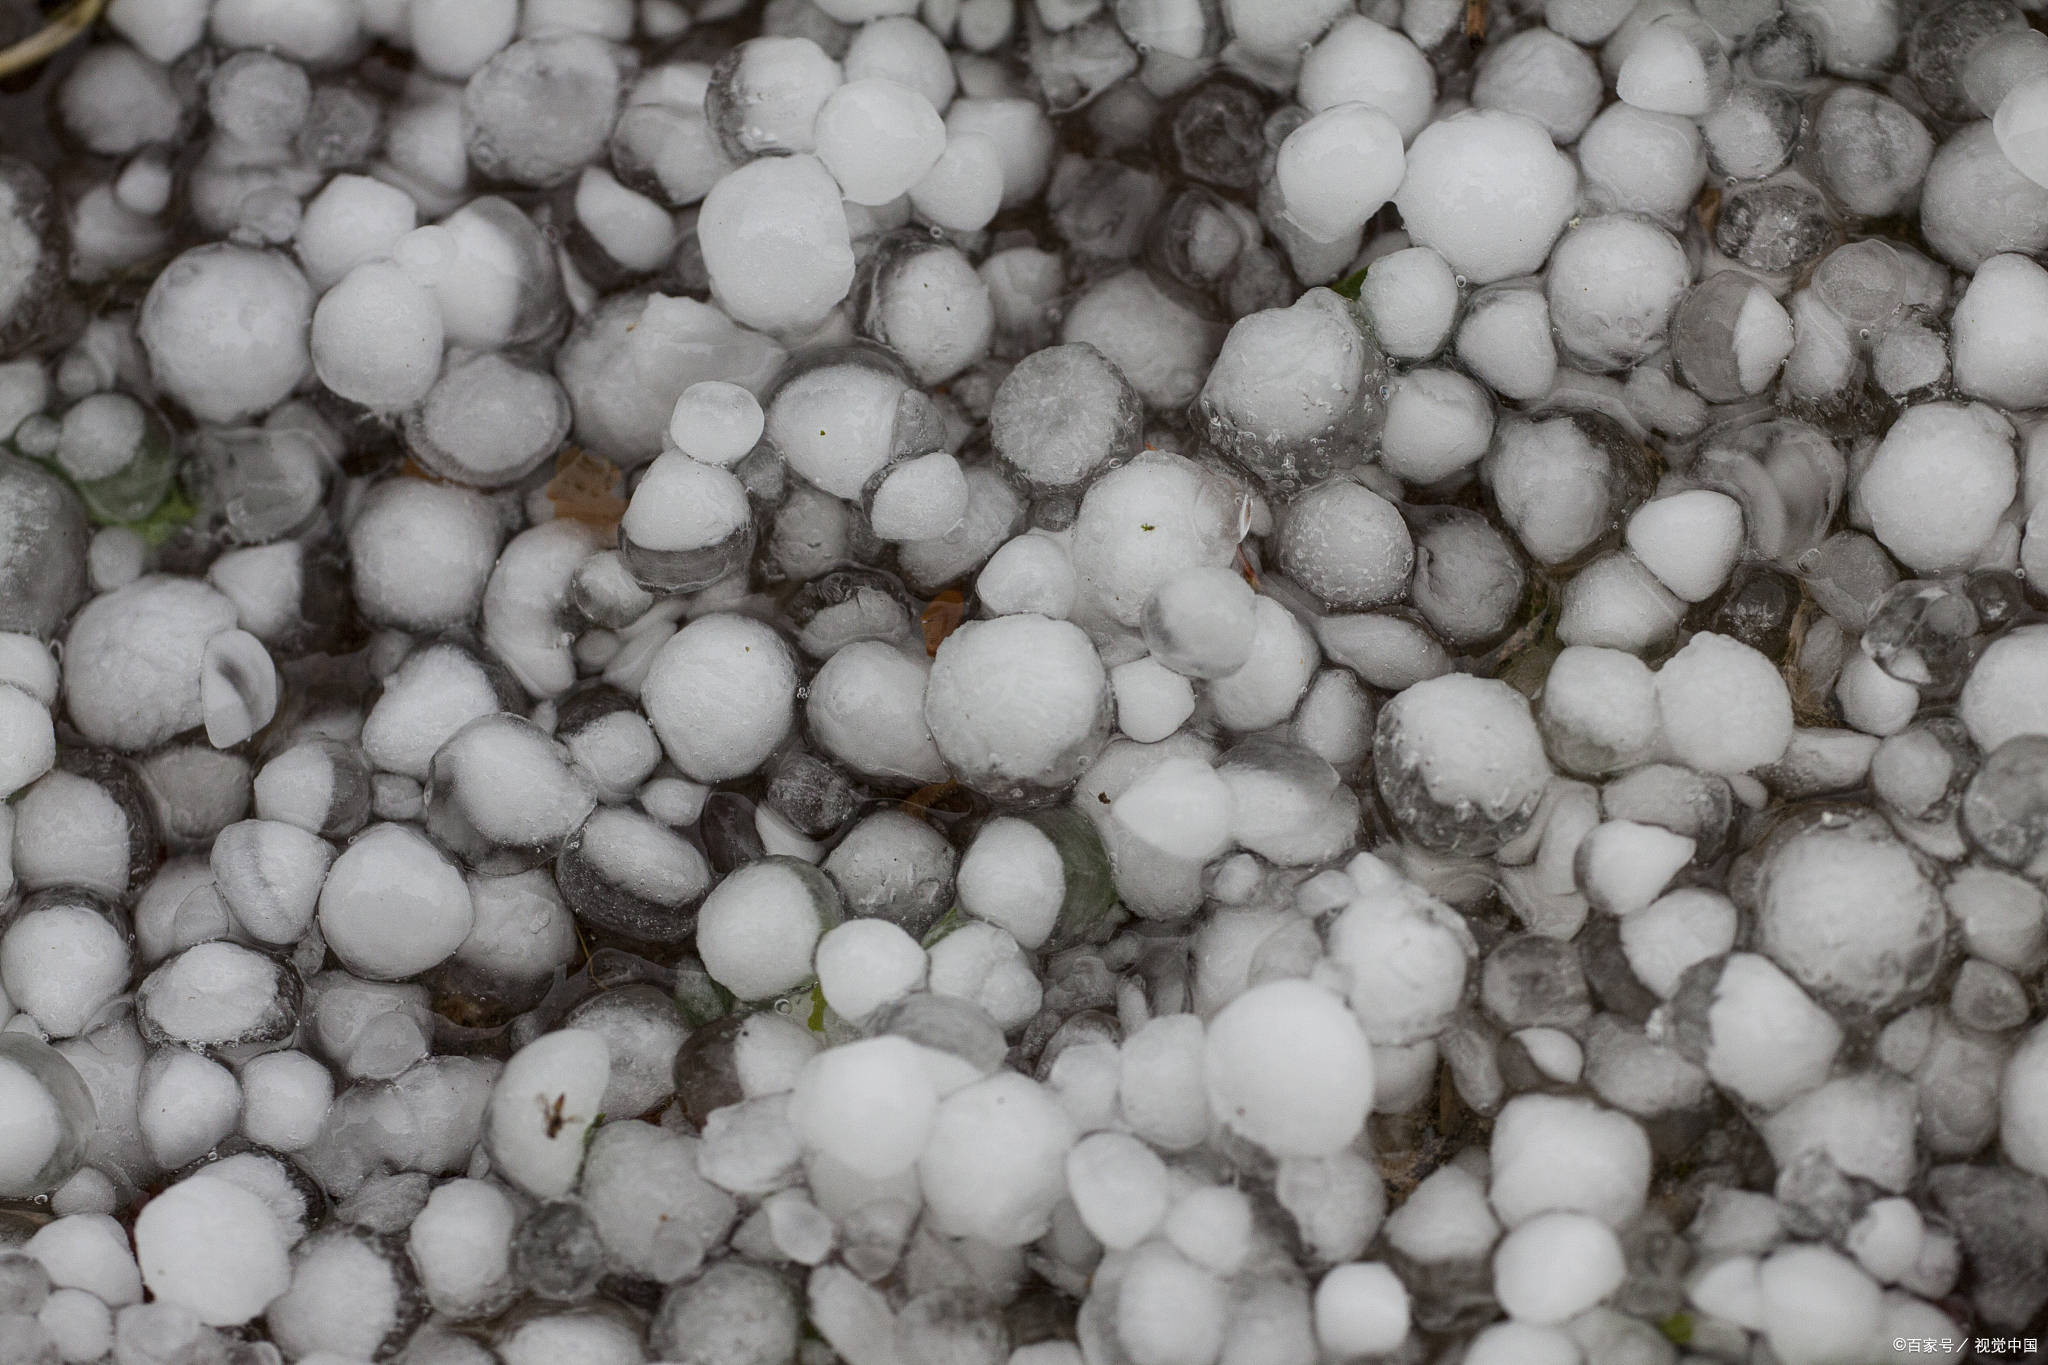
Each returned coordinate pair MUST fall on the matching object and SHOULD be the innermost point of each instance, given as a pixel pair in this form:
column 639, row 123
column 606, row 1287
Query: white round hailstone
column 1489, row 191
column 1999, row 333
column 1119, row 1186
column 2007, row 691
column 454, row 38
column 1287, row 1067
column 1029, row 574
column 1201, row 622
column 865, row 964
column 981, row 963
column 224, row 327
column 1940, row 480
column 758, row 930
column 459, row 1244
column 866, row 708
column 1676, row 932
column 213, row 1248
column 721, row 693
column 1282, row 663
column 1556, row 1266
column 1768, row 1042
column 1361, row 1309
column 285, row 1096
column 1543, row 75
column 835, row 424
column 1613, row 284
column 376, row 338
column 1169, row 1309
column 134, row 658
column 393, row 905
column 32, row 1131
column 352, row 220
column 1439, row 421
column 1179, row 807
column 1554, row 1152
column 1365, row 61
column 187, row 1103
column 28, row 664
column 77, row 1324
column 1523, row 1343
column 1635, row 161
column 878, row 139
column 1506, row 339
column 543, row 1103
column 1666, row 73
column 1011, row 875
column 1471, row 747
column 1872, row 700
column 91, row 1252
column 1411, row 296
column 1598, row 711
column 900, row 49
column 681, row 504
column 1022, row 133
column 1338, row 168
column 776, row 243
column 1818, row 1305
column 963, row 189
column 921, row 499
column 421, row 553
column 716, row 422
column 995, row 1167
column 1690, row 540
column 1726, row 708
column 1152, row 701
column 1017, row 703
column 2021, row 127
column 61, row 964
column 868, row 1105
column 2023, row 1103
column 28, row 740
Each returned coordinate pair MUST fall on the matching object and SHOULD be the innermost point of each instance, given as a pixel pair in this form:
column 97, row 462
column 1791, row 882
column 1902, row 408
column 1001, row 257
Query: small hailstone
column 393, row 905
column 285, row 1096
column 758, row 930
column 1940, row 480
column 1666, row 72
column 1337, row 169
column 376, row 337
column 1181, row 808
column 1507, row 339
column 2021, row 126
column 981, row 963
column 1412, row 298
column 2023, row 1103
column 1675, row 932
column 1818, row 1305
column 1287, row 1067
column 1555, row 1266
column 869, row 1105
column 920, row 499
column 1624, row 866
column 1119, row 1186
column 963, row 188
column 865, row 964
column 421, row 553
column 775, row 243
column 238, row 688
column 1161, row 1091
column 1359, row 59
column 543, row 1102
column 1690, row 540
column 28, row 741
column 996, row 1163
column 1012, row 876
column 213, row 1248
column 1767, row 1041
column 187, row 1104
column 1725, row 707
column 156, row 629
column 1152, row 700
column 721, row 693
column 1489, row 191
column 460, row 1245
column 878, row 139
column 1556, row 1153
column 1030, row 573
column 716, row 422
column 2004, row 695
column 2001, row 351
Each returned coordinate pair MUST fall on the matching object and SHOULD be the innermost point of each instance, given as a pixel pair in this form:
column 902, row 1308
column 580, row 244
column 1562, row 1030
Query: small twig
column 66, row 24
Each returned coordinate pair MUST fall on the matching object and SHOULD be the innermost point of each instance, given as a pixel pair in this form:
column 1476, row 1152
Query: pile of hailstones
column 977, row 682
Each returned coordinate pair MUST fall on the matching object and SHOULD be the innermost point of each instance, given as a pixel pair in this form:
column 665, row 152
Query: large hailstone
column 1489, row 191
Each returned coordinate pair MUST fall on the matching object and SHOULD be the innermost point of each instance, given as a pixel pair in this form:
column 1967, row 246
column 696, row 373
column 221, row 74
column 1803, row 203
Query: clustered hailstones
column 1025, row 682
